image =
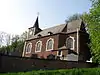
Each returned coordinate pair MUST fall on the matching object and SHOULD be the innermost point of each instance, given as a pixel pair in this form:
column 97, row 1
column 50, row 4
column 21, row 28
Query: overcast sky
column 18, row 15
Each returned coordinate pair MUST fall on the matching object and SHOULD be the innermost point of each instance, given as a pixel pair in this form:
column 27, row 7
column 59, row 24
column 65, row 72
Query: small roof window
column 39, row 35
column 50, row 33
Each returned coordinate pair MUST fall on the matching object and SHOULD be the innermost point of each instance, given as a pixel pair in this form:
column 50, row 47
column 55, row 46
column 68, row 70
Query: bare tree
column 23, row 36
column 5, row 39
column 73, row 17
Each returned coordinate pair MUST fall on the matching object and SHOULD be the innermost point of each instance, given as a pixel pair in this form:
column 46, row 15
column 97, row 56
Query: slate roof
column 54, row 30
column 71, row 27
column 63, row 47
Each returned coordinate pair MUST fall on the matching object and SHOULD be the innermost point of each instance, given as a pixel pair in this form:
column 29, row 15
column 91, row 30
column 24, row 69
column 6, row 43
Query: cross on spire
column 38, row 13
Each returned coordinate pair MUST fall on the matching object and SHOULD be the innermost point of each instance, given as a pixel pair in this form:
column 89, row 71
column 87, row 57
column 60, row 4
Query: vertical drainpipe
column 77, row 41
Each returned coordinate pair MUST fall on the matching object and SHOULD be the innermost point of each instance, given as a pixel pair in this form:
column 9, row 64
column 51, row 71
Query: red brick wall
column 59, row 41
column 43, row 52
column 75, row 38
column 84, row 49
column 62, row 41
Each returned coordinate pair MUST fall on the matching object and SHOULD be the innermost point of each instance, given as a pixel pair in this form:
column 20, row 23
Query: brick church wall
column 43, row 52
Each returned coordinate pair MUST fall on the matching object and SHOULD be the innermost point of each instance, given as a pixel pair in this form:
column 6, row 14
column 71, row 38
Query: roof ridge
column 54, row 26
column 76, row 20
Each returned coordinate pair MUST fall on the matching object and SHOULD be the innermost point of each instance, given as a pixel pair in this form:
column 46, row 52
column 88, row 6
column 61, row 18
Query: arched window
column 38, row 46
column 70, row 43
column 49, row 44
column 28, row 48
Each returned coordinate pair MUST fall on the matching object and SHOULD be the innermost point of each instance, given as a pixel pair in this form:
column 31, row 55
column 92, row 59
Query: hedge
column 87, row 71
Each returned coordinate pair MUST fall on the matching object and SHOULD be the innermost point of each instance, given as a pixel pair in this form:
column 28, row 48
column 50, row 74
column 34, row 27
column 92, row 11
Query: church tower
column 34, row 30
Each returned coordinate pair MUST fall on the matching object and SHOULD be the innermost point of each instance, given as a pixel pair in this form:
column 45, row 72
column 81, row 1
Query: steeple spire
column 35, row 29
column 36, row 24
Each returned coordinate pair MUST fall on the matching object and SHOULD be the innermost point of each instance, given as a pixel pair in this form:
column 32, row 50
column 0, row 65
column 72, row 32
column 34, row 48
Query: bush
column 87, row 71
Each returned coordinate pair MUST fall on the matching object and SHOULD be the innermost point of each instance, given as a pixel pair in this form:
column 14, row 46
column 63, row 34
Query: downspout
column 77, row 41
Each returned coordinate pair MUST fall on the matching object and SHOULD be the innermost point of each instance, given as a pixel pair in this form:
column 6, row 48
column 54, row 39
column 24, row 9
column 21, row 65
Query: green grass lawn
column 87, row 71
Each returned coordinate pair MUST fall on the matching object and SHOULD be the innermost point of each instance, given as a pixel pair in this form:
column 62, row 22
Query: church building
column 65, row 42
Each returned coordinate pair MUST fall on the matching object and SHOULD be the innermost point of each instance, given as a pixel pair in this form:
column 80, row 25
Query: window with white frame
column 38, row 46
column 49, row 44
column 70, row 43
column 28, row 48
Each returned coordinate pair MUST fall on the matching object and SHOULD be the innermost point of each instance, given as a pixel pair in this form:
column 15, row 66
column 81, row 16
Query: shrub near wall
column 88, row 71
